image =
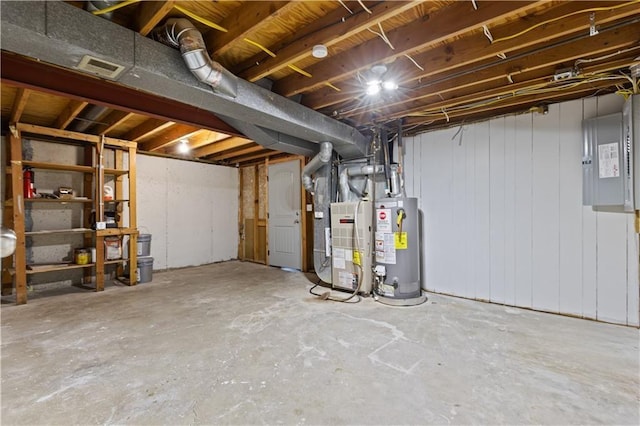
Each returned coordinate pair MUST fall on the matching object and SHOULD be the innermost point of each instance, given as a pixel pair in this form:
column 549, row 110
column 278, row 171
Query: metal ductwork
column 62, row 35
column 317, row 179
column 88, row 118
column 93, row 5
column 181, row 33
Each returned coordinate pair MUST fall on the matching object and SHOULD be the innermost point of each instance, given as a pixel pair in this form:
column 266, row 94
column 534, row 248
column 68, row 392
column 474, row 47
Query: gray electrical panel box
column 607, row 176
column 631, row 135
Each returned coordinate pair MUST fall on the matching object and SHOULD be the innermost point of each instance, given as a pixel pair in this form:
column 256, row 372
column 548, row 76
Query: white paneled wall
column 504, row 221
column 191, row 210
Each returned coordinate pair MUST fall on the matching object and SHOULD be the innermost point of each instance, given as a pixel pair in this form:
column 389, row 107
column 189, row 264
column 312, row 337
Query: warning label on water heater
column 608, row 160
column 385, row 248
column 383, row 220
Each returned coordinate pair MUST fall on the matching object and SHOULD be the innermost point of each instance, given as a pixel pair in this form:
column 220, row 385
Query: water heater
column 397, row 252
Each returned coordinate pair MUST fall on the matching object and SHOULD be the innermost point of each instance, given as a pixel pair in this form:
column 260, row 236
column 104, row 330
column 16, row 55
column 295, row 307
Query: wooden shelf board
column 117, row 172
column 116, row 201
column 38, row 269
column 57, row 200
column 59, row 231
column 115, row 231
column 56, row 166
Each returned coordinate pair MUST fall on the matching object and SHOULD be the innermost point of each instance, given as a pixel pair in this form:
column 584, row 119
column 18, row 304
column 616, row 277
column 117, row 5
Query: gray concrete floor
column 239, row 343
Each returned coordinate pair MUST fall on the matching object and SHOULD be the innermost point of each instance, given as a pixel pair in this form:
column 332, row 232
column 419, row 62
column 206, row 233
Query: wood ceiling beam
column 111, row 121
column 500, row 90
column 70, row 112
column 235, row 153
column 246, row 18
column 173, row 135
column 336, row 28
column 263, row 154
column 315, row 26
column 512, row 106
column 150, row 13
column 19, row 104
column 452, row 21
column 261, row 160
column 147, row 128
column 476, row 47
column 526, row 62
column 205, row 137
column 223, row 145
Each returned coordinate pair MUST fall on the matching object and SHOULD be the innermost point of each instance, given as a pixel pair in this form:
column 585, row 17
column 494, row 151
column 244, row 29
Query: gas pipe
column 27, row 183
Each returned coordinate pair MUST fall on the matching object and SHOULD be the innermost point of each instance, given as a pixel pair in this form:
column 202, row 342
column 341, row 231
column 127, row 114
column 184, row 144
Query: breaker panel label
column 608, row 160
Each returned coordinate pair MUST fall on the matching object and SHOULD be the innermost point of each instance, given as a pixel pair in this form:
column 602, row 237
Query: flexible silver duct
column 93, row 5
column 181, row 33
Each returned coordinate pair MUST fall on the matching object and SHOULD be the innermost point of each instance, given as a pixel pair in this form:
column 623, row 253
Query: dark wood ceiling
column 453, row 62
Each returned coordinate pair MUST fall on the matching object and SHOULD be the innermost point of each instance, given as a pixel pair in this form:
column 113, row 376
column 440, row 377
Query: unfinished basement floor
column 240, row 343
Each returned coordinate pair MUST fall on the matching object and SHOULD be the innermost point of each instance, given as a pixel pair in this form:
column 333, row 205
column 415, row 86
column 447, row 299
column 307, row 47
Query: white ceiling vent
column 100, row 67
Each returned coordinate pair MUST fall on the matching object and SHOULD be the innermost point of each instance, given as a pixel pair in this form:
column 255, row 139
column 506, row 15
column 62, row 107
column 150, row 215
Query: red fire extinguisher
column 27, row 183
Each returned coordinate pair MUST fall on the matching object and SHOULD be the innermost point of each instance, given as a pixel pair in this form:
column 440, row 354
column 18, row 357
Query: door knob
column 296, row 221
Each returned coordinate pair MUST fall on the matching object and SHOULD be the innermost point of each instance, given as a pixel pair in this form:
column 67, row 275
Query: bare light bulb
column 183, row 147
column 389, row 85
column 373, row 88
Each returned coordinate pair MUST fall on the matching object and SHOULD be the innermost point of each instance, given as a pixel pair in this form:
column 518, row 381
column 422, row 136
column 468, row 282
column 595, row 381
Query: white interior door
column 285, row 243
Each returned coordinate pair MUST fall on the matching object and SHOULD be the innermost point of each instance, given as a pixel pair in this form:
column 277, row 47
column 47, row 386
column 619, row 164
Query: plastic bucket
column 144, row 270
column 144, row 245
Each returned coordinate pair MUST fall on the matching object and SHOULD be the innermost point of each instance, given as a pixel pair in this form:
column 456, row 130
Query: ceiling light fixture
column 377, row 83
column 319, row 51
column 183, row 147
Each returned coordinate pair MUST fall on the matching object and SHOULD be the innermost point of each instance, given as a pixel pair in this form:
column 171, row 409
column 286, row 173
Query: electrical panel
column 631, row 135
column 351, row 245
column 607, row 175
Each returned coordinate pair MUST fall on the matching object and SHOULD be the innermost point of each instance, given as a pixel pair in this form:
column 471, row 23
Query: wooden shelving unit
column 15, row 269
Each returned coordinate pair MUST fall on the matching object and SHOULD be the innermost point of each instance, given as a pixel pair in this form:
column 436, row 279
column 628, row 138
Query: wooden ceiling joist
column 70, row 112
column 111, row 121
column 19, row 103
column 336, row 26
column 246, row 19
column 508, row 106
column 205, row 137
column 560, row 56
column 150, row 127
column 150, row 13
column 453, row 21
column 476, row 47
column 264, row 153
column 221, row 146
column 171, row 136
column 235, row 153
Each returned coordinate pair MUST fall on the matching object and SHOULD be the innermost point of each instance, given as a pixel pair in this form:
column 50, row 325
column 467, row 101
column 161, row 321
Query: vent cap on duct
column 100, row 67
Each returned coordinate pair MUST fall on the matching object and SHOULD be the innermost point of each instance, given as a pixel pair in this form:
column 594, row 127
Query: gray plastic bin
column 145, row 269
column 144, row 245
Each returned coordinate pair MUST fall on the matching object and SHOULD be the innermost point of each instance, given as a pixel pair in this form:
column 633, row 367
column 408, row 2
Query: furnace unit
column 351, row 246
